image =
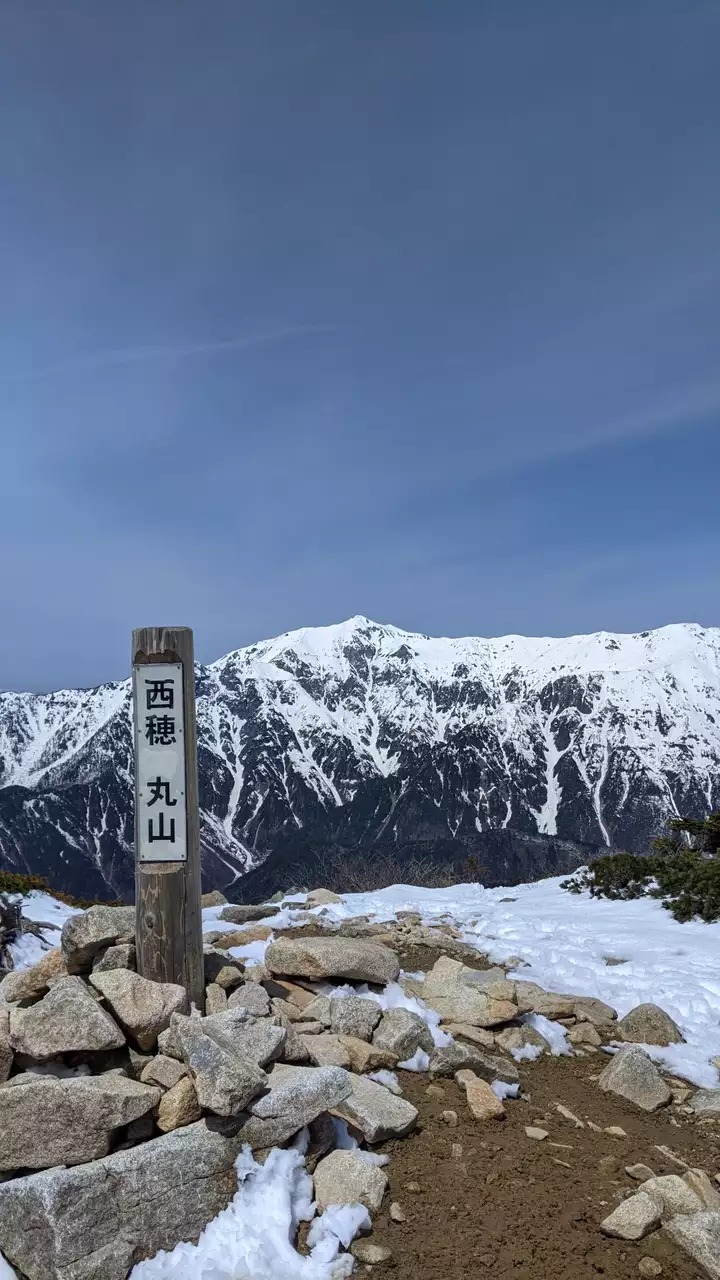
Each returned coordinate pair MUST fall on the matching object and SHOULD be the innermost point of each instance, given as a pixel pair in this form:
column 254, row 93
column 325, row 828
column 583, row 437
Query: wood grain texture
column 168, row 920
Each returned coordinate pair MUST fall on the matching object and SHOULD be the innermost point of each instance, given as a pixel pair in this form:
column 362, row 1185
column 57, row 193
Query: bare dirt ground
column 484, row 1201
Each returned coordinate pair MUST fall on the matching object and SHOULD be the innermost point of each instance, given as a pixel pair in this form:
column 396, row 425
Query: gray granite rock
column 403, row 1032
column 121, row 956
column 89, row 932
column 163, row 1071
column 706, row 1102
column 633, row 1218
column 355, row 958
column 295, row 1097
column 648, row 1024
column 378, row 1113
column 143, row 1008
column 94, row 1221
column 456, row 1057
column 242, row 914
column 698, row 1236
column 632, row 1075
column 353, row 1016
column 46, row 1121
column 344, row 1177
column 22, row 985
column 67, row 1020
column 250, row 996
column 224, row 1082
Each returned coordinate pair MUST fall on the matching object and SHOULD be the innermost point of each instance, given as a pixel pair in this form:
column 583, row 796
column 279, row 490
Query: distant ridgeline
column 357, row 745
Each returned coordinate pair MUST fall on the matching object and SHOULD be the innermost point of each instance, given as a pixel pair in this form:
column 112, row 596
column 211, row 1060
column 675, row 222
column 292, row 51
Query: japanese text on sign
column 160, row 763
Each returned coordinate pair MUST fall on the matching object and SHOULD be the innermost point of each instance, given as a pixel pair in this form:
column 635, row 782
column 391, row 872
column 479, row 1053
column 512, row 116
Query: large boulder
column 460, row 994
column 648, row 1024
column 96, row 1220
column 86, row 934
column 631, row 1075
column 378, row 1113
column 67, row 1020
column 23, row 985
column 355, row 958
column 296, row 1096
column 224, row 1082
column 403, row 1032
column 345, row 1177
column 46, row 1121
column 143, row 1008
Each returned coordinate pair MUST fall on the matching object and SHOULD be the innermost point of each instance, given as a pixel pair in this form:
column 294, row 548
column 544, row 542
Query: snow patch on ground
column 252, row 1239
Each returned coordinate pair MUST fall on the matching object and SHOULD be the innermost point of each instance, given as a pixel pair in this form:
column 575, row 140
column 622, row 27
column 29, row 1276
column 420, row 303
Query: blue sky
column 407, row 309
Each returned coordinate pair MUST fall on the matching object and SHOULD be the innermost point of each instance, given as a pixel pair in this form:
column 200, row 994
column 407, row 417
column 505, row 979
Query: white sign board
column 160, row 795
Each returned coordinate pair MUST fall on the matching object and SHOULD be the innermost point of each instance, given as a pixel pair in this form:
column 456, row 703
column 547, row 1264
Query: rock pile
column 122, row 1111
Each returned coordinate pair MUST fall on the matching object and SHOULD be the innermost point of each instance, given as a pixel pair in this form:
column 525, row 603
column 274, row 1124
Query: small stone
column 706, row 1102
column 538, row 1135
column 413, row 1187
column 633, row 1218
column 435, row 1091
column 213, row 899
column 237, row 913
column 456, row 1151
column 178, row 1107
column 476, row 1035
column 450, row 1118
column 163, row 1071
column 376, row 1111
column 648, row 1268
column 640, row 1172
column 569, row 1115
column 228, row 976
column 608, row 1165
column 614, row 1131
column 584, row 1034
column 318, row 1010
column 355, row 958
column 396, row 1213
column 699, row 1183
column 369, row 1253
column 322, row 898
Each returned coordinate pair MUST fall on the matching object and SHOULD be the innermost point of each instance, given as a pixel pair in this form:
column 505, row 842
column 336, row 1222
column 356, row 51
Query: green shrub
column 686, row 878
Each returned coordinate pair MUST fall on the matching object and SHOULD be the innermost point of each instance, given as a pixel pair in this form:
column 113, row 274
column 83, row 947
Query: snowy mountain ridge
column 363, row 734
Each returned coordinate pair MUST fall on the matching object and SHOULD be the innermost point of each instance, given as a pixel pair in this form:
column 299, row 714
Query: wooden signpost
column 168, row 922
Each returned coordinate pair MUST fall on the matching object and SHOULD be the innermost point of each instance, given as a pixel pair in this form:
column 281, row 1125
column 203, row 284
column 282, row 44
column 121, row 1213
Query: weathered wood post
column 168, row 921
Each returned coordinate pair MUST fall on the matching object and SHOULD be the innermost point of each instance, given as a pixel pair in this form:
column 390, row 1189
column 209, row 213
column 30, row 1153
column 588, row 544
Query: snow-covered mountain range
column 362, row 735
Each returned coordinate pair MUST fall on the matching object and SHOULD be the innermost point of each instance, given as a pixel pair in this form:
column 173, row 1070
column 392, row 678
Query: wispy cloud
column 149, row 354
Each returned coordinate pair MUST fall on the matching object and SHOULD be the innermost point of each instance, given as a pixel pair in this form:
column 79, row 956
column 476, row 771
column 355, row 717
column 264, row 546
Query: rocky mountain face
column 527, row 753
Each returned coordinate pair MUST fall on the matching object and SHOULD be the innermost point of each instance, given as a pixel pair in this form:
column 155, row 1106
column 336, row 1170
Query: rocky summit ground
column 371, row 1077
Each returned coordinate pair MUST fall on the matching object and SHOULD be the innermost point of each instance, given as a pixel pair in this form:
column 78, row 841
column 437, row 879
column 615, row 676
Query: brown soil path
column 502, row 1207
